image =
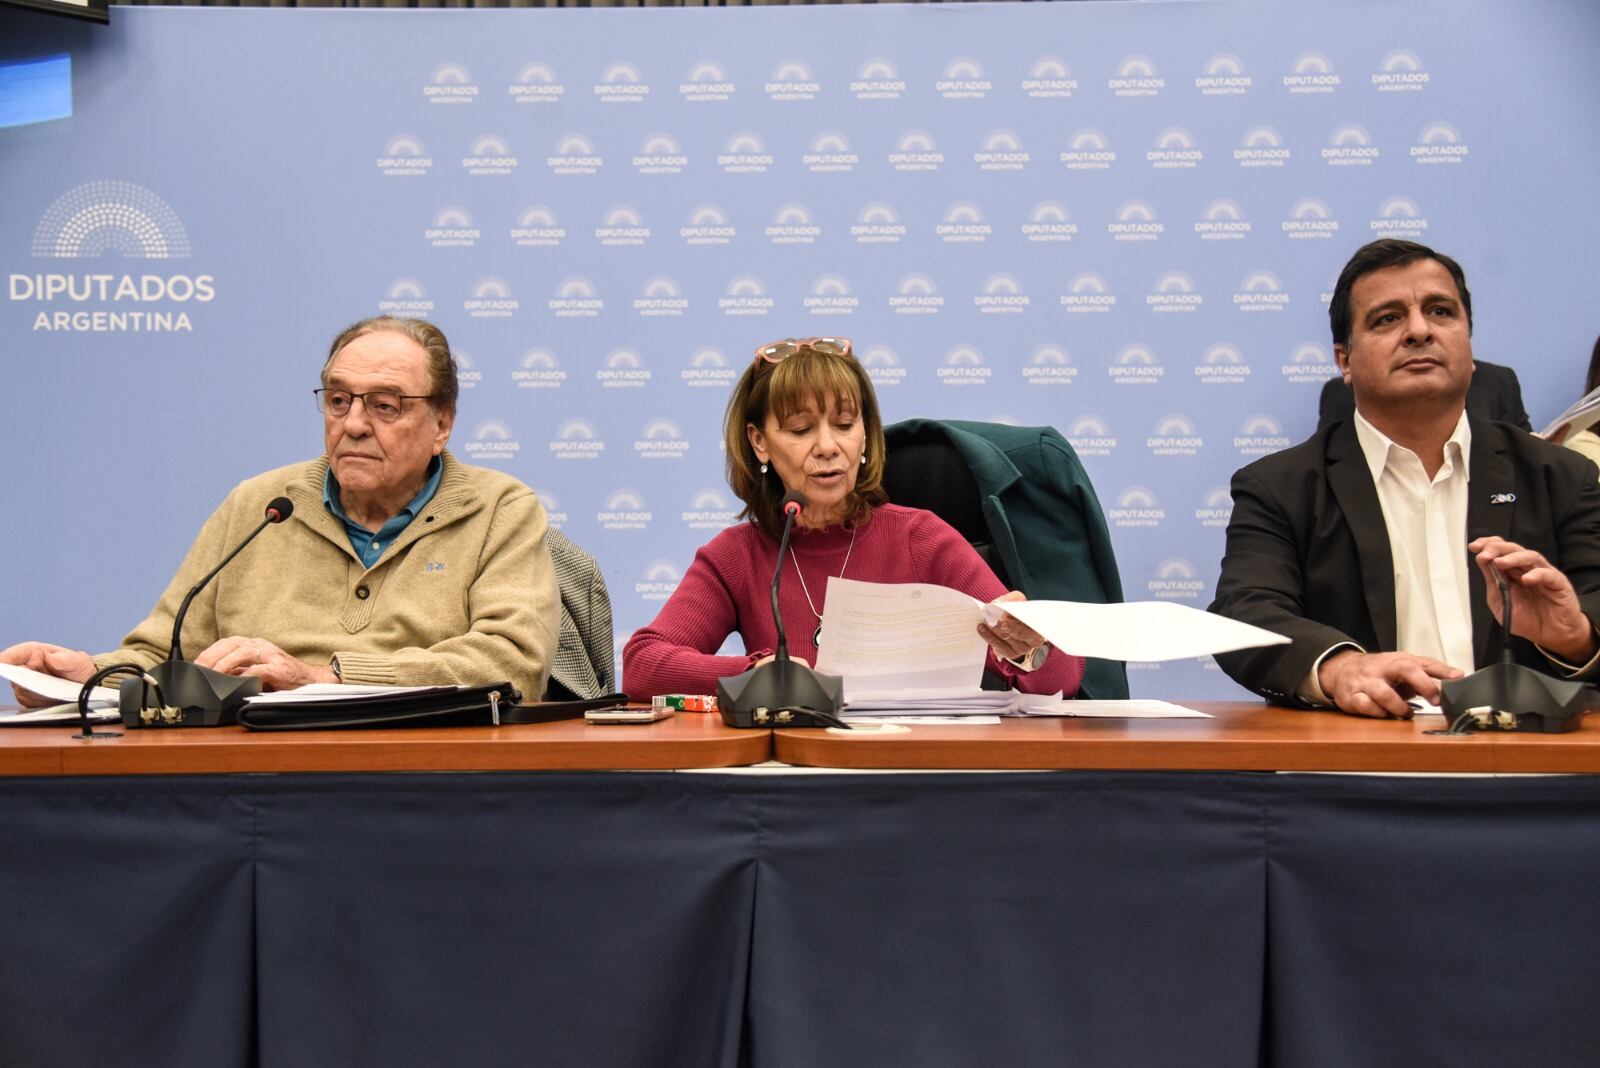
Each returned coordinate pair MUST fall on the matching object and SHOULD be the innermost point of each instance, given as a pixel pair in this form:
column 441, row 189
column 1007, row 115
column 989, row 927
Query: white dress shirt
column 1426, row 520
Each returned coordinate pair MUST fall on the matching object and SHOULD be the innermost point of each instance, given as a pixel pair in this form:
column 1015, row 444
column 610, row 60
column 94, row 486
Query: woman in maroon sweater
column 804, row 417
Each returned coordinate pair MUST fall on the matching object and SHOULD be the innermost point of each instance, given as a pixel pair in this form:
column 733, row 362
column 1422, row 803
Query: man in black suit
column 1371, row 544
column 1495, row 395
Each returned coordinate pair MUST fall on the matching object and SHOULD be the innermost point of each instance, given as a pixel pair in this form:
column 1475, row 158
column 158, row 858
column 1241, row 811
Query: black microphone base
column 782, row 693
column 1520, row 699
column 194, row 696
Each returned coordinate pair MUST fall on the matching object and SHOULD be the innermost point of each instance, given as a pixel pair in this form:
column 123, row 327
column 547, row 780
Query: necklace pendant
column 816, row 636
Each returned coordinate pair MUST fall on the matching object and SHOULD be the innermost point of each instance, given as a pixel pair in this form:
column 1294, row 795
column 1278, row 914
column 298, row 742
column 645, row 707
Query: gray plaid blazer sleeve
column 585, row 661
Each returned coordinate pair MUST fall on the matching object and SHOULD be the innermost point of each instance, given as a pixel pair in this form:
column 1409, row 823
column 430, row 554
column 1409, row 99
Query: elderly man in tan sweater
column 399, row 564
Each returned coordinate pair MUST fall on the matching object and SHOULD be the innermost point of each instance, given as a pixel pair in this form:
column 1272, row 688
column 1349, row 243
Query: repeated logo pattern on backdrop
column 1122, row 225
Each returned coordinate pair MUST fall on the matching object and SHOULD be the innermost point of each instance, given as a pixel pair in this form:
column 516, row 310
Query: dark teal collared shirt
column 368, row 545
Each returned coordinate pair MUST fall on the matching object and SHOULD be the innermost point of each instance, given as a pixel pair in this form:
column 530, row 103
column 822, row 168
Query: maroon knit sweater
column 726, row 591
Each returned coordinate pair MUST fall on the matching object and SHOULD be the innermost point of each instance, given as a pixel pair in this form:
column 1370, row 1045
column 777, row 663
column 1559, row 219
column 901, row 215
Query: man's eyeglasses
column 382, row 406
column 778, row 351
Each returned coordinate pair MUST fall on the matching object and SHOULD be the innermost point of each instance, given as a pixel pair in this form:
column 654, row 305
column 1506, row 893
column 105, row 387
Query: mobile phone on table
column 627, row 715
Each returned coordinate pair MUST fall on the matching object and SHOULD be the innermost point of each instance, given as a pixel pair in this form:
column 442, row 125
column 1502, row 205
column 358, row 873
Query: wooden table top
column 684, row 741
column 1243, row 736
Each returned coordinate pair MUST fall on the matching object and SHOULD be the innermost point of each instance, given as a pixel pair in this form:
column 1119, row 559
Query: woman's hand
column 1010, row 638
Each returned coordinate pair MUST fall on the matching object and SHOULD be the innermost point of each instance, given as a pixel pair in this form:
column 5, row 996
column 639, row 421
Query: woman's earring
column 863, row 459
column 763, row 469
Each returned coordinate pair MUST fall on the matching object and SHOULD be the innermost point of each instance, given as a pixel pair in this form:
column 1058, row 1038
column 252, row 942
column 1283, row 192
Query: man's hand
column 259, row 658
column 1379, row 684
column 63, row 663
column 1544, row 606
column 1010, row 637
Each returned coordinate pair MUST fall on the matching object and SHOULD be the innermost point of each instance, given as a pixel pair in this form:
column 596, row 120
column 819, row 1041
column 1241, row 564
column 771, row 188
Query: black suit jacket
column 1494, row 394
column 1308, row 553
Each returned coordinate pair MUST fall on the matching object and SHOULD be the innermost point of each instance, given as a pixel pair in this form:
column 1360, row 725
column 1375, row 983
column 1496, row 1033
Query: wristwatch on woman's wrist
column 1031, row 661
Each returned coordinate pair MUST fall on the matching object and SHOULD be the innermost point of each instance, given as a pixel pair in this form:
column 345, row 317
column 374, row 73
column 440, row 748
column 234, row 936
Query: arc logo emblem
column 916, row 150
column 1309, row 364
column 624, row 509
column 1050, row 365
column 1088, row 150
column 1349, row 146
column 623, row 369
column 830, row 295
column 1260, row 292
column 404, row 157
column 916, row 295
column 574, row 154
column 660, row 154
column 707, row 82
column 489, row 156
column 406, row 298
column 830, row 154
column 1089, row 292
column 622, row 226
column 1400, row 72
column 491, row 299
column 661, row 439
column 1216, row 508
column 1399, row 216
column 537, row 228
column 661, row 296
column 1136, row 76
column 1261, row 146
column 883, row 366
column 1176, row 580
column 554, row 514
column 1222, row 220
column 467, row 374
column 1135, row 221
column 1137, row 507
column 1002, row 151
column 1312, row 73
column 745, row 153
column 878, row 224
column 538, row 369
column 709, row 509
column 708, row 367
column 1223, row 75
column 1439, row 142
column 745, row 295
column 492, row 442
column 708, row 225
column 963, row 223
column 1260, row 435
column 1310, row 218
column 577, row 440
column 1049, row 78
column 660, row 579
column 1090, row 436
column 792, row 224
column 101, row 217
column 450, row 84
column 1136, row 365
column 963, row 79
column 1175, row 149
column 536, row 83
column 1174, row 291
column 576, row 298
column 792, row 80
column 1001, row 295
column 1049, row 221
column 1222, row 364
column 878, row 80
column 1175, row 435
column 452, row 228
column 621, row 83
column 964, row 365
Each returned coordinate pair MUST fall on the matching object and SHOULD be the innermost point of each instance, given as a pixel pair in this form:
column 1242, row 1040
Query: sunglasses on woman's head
column 778, row 351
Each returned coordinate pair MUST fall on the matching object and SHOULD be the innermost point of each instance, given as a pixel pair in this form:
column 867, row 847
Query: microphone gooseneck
column 279, row 509
column 794, row 503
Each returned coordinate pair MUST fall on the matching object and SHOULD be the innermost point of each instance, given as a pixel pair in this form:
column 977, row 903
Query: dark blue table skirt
column 639, row 919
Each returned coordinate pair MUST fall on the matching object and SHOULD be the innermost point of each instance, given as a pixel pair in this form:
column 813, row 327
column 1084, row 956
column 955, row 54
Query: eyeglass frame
column 362, row 397
column 800, row 344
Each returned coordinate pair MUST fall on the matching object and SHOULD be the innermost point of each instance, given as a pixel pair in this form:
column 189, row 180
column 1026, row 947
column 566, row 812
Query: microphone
column 793, row 504
column 1517, row 698
column 784, row 692
column 188, row 694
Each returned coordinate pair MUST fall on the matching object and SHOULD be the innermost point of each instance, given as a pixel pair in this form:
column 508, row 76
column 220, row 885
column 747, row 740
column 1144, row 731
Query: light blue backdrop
column 1118, row 219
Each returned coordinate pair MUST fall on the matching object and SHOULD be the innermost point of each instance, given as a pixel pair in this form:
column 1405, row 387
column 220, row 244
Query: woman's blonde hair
column 781, row 389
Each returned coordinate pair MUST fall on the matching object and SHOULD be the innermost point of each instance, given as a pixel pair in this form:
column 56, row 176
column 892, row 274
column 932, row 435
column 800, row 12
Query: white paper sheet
column 1138, row 709
column 886, row 637
column 335, row 691
column 1136, row 630
column 50, row 686
column 943, row 721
